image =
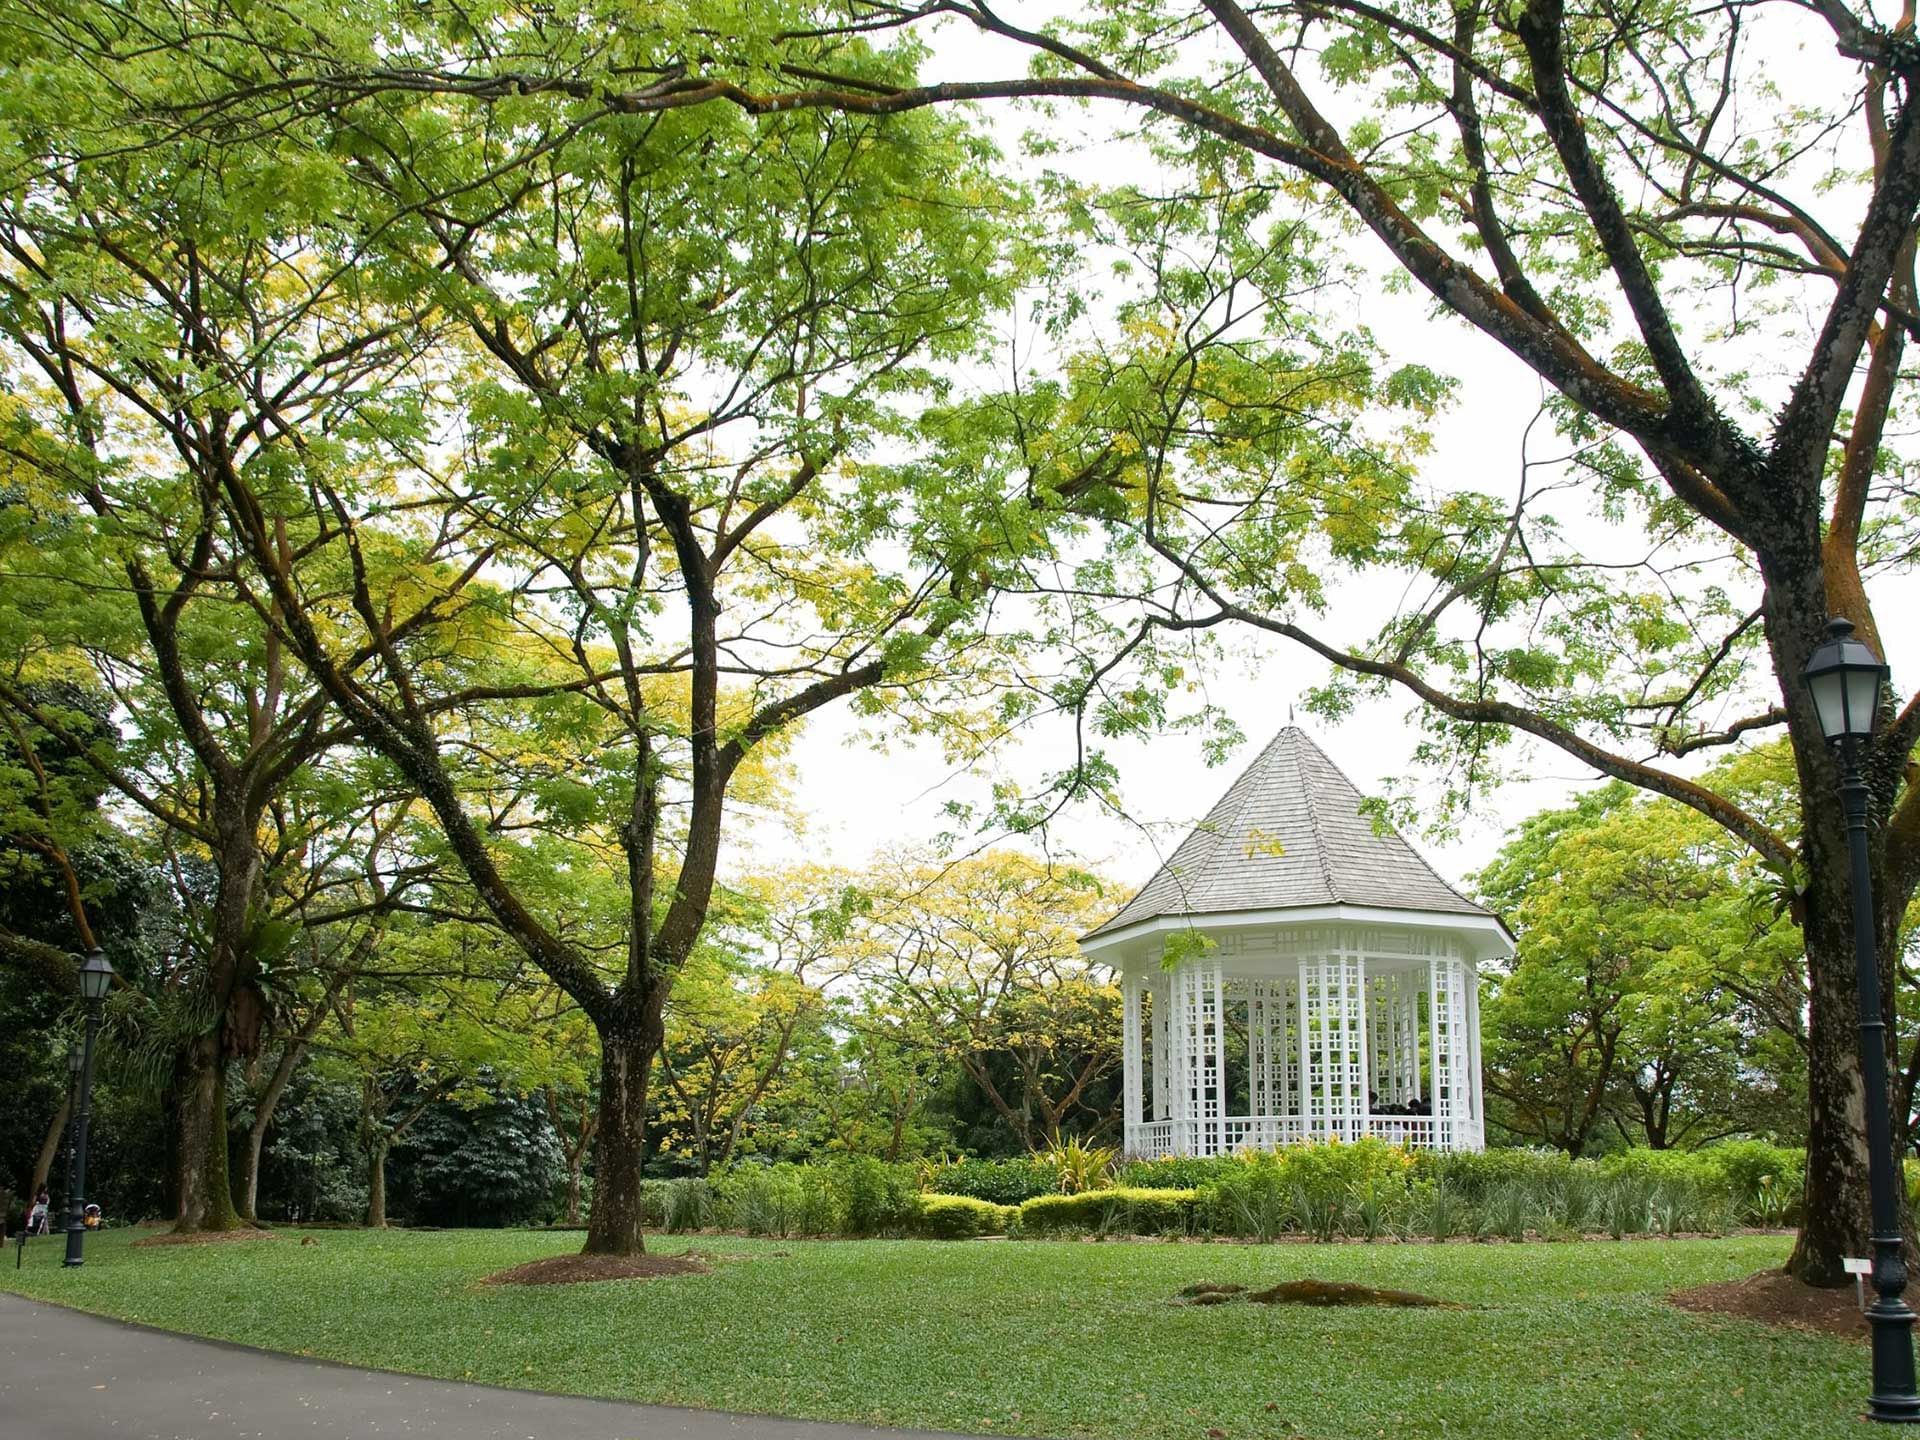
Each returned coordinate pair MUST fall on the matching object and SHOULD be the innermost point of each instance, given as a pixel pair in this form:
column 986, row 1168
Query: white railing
column 1260, row 1132
column 1150, row 1141
column 1413, row 1132
column 1155, row 1139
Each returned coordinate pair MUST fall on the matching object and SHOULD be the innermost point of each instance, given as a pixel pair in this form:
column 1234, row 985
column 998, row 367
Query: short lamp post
column 1846, row 679
column 96, row 978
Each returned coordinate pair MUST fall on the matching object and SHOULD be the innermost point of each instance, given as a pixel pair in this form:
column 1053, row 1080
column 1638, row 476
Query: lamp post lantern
column 1846, row 679
column 96, row 978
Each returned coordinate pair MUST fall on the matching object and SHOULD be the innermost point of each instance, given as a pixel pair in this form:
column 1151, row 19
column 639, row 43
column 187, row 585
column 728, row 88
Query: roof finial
column 1289, row 714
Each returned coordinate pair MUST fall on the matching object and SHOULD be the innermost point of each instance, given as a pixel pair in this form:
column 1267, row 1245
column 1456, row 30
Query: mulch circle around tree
column 580, row 1269
column 1309, row 1292
column 1774, row 1297
column 205, row 1237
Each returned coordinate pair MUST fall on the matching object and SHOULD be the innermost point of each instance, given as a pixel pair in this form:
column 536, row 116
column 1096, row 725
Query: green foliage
column 1113, row 1211
column 781, row 1200
column 1367, row 1190
column 1174, row 1172
column 1004, row 1182
column 1370, row 1191
column 961, row 1217
column 1081, row 1166
column 686, row 1204
column 1658, row 988
column 853, row 1196
column 877, row 1199
column 488, row 1164
column 1316, row 1190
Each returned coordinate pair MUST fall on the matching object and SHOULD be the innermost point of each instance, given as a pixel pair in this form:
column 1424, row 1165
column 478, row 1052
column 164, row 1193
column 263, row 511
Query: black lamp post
column 96, row 977
column 1846, row 678
column 73, row 1120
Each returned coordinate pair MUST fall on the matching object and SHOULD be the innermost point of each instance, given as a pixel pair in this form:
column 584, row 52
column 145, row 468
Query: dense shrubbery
column 1174, row 1172
column 1121, row 1210
column 1367, row 1190
column 1004, row 1182
column 961, row 1217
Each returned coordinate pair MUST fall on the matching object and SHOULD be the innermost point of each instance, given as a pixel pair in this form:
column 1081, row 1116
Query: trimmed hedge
column 1004, row 1182
column 961, row 1217
column 1123, row 1210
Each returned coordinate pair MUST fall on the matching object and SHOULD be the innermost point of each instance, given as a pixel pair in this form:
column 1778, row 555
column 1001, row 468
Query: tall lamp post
column 73, row 1120
column 1846, row 678
column 96, row 977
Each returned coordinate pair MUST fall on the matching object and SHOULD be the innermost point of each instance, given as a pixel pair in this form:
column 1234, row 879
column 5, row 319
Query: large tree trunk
column 626, row 1055
column 377, row 1185
column 234, row 1018
column 200, row 1091
column 1837, row 1218
column 49, row 1149
column 263, row 1112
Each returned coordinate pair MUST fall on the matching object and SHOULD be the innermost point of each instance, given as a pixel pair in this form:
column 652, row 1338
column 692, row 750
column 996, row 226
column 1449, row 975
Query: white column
column 1360, row 1060
column 1259, row 1047
column 1162, row 1046
column 1201, row 1056
column 1180, row 1061
column 1406, row 1064
column 1479, row 1137
column 1217, row 1036
column 1437, row 1049
column 1133, row 1081
column 1452, row 1085
column 1380, row 1037
column 1289, row 1049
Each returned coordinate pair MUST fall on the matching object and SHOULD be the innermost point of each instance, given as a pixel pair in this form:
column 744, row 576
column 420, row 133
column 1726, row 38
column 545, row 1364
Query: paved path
column 68, row 1376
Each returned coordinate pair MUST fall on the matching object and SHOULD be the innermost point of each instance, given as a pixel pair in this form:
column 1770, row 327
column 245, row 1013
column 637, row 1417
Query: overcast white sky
column 858, row 800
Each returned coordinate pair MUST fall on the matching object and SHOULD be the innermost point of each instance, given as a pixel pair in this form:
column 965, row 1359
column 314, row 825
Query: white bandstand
column 1325, row 985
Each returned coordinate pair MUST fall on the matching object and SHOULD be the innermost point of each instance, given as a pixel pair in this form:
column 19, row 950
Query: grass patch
column 1030, row 1338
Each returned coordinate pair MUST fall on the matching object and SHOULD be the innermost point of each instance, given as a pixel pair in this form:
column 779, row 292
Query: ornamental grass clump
column 781, row 1201
column 686, row 1205
column 1434, row 1211
column 1080, row 1167
column 1629, row 1206
column 1508, row 1212
column 1320, row 1190
column 1254, row 1198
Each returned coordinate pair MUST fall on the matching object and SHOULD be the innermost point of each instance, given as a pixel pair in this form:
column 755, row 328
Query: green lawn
column 1566, row 1340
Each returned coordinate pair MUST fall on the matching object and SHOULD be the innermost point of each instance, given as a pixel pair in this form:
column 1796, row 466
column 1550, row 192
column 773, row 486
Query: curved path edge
column 69, row 1375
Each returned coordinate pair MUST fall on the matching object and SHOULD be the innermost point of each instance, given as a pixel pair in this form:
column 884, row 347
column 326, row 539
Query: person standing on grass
column 37, row 1223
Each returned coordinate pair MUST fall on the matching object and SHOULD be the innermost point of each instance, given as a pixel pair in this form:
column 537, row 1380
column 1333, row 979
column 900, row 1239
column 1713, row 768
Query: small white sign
column 1858, row 1267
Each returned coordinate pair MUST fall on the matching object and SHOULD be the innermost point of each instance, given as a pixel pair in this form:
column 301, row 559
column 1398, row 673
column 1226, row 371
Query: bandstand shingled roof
column 1289, row 832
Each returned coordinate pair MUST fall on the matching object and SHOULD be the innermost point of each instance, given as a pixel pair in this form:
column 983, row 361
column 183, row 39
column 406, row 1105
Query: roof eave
column 1491, row 933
